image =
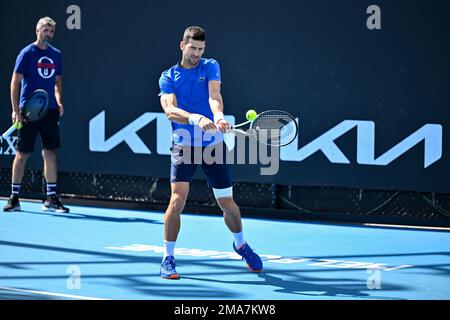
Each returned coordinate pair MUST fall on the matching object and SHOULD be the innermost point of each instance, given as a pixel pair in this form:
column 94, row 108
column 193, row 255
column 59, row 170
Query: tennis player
column 191, row 99
column 38, row 66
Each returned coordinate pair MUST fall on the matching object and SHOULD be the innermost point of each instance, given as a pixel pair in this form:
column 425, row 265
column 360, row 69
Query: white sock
column 238, row 239
column 169, row 248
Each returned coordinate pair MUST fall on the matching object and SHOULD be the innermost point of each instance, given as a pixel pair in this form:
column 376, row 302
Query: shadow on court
column 80, row 216
column 438, row 269
column 309, row 286
column 293, row 282
column 147, row 284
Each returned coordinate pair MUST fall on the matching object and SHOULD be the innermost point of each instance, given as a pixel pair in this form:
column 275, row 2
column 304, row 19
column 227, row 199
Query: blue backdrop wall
column 372, row 105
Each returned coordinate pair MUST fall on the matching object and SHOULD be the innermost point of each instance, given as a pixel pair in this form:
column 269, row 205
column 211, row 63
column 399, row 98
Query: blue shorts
column 184, row 161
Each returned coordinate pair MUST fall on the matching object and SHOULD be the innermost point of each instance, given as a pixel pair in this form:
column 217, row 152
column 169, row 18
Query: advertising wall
column 369, row 85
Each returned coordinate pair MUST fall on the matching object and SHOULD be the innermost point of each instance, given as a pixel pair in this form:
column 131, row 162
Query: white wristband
column 194, row 118
column 218, row 116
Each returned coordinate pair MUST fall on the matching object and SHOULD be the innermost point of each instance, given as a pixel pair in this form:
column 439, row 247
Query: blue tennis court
column 97, row 253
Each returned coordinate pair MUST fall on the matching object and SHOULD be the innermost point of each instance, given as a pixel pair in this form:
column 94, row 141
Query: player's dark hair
column 194, row 33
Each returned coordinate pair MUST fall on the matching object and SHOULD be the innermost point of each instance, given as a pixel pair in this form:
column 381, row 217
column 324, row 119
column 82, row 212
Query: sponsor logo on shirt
column 46, row 67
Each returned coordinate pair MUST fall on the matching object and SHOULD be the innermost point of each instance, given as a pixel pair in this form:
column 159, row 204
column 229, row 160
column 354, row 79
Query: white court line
column 405, row 226
column 53, row 294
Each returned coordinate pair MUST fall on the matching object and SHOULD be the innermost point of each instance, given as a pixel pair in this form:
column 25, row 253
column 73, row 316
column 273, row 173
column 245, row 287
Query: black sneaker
column 53, row 204
column 13, row 204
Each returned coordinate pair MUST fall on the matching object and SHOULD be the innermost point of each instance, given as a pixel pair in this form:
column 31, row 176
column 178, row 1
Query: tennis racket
column 35, row 109
column 272, row 127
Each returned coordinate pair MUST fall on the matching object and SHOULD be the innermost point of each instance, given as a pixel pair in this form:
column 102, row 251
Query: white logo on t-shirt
column 46, row 67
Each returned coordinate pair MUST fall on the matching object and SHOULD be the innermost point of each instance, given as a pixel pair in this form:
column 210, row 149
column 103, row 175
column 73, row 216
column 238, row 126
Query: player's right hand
column 207, row 125
column 223, row 126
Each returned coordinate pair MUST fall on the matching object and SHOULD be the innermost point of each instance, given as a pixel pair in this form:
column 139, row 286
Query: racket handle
column 240, row 124
column 233, row 130
column 8, row 132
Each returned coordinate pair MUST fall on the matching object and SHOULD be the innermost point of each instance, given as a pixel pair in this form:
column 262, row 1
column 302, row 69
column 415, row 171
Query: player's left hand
column 61, row 110
column 223, row 125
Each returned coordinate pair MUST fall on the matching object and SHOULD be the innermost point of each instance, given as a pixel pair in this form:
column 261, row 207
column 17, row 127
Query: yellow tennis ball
column 251, row 115
column 18, row 125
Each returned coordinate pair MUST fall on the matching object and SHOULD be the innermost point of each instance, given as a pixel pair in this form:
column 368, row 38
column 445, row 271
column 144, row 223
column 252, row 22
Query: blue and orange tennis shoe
column 168, row 270
column 253, row 260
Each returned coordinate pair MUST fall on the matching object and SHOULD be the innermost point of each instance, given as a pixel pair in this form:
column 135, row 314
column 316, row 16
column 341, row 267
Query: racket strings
column 275, row 127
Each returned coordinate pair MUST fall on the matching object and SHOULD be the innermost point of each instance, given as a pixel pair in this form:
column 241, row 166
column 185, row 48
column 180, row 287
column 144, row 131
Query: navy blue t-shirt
column 190, row 86
column 39, row 68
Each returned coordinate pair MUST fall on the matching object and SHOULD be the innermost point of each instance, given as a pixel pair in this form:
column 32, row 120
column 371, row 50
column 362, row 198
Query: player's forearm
column 58, row 97
column 15, row 96
column 173, row 113
column 216, row 105
column 58, row 92
column 177, row 115
column 215, row 100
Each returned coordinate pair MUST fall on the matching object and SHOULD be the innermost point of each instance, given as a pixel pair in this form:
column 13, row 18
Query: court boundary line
column 405, row 226
column 52, row 294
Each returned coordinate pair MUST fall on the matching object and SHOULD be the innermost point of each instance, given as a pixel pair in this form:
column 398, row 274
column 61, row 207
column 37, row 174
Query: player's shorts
column 184, row 161
column 47, row 128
